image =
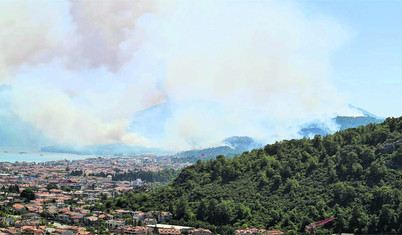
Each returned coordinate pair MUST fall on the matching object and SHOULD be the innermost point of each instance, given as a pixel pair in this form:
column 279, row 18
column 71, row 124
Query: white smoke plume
column 81, row 69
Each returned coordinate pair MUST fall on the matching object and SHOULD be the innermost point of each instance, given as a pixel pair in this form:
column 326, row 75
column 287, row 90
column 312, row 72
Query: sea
column 35, row 155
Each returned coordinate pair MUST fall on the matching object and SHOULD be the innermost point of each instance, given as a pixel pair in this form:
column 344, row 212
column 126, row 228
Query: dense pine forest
column 354, row 175
column 162, row 176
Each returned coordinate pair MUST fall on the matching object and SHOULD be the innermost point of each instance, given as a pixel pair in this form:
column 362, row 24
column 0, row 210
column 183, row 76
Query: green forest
column 354, row 175
column 162, row 176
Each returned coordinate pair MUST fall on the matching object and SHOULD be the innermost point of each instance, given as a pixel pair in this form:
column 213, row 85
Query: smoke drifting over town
column 80, row 70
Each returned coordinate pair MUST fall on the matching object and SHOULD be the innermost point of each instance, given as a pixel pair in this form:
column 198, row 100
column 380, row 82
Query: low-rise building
column 19, row 208
column 169, row 231
column 128, row 230
column 256, row 231
column 201, row 231
column 149, row 221
column 164, row 216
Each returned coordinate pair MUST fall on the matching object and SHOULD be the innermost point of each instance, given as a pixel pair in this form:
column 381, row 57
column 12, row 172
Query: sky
column 368, row 68
column 80, row 72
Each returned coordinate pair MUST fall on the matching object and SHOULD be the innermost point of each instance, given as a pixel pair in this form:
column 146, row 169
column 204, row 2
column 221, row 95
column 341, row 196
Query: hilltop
column 354, row 175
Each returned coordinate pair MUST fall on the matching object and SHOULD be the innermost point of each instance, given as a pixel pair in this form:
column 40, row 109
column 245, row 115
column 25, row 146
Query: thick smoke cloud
column 223, row 68
column 101, row 29
column 26, row 36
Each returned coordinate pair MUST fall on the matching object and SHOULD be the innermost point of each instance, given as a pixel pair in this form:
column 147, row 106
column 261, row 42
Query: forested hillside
column 354, row 175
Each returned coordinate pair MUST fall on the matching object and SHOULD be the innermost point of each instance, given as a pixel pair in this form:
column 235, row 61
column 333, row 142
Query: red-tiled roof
column 18, row 206
column 169, row 231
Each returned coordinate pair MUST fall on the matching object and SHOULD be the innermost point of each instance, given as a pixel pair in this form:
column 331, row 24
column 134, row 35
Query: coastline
column 13, row 155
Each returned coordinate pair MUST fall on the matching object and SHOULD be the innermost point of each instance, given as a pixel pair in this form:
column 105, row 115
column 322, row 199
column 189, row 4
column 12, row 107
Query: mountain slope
column 354, row 175
column 231, row 147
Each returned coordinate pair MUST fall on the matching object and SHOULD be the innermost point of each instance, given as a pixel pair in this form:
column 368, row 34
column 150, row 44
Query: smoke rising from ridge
column 224, row 68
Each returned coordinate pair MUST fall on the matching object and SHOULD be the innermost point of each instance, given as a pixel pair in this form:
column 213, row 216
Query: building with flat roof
column 168, row 226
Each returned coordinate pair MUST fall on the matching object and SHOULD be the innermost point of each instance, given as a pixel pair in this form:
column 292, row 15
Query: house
column 114, row 223
column 85, row 211
column 103, row 217
column 201, row 231
column 4, row 203
column 118, row 213
column 63, row 210
column 30, row 216
column 29, row 222
column 74, row 229
column 67, row 232
column 19, row 208
column 139, row 215
column 133, row 230
column 183, row 229
column 83, row 233
column 137, row 182
column 62, row 218
column 59, row 231
column 32, row 209
column 149, row 214
column 92, row 220
column 31, row 230
column 10, row 230
column 275, row 232
column 93, row 200
column 13, row 196
column 60, row 205
column 255, row 231
column 149, row 221
column 164, row 216
column 252, row 231
column 56, row 191
column 169, row 231
column 77, row 218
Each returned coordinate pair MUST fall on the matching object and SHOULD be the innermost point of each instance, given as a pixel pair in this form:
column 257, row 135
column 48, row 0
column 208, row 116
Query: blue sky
column 368, row 68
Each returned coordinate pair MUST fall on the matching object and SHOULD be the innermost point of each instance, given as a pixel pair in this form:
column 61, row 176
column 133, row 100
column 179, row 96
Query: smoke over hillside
column 80, row 70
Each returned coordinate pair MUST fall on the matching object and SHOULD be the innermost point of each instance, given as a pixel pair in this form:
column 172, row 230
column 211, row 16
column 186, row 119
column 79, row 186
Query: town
column 66, row 197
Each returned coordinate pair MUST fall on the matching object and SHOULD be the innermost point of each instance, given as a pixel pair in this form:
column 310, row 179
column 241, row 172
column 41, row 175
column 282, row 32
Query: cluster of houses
column 40, row 230
column 33, row 213
column 161, row 229
column 51, row 212
column 257, row 231
column 64, row 219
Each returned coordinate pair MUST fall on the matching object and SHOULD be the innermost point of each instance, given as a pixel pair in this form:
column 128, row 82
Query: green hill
column 354, row 175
